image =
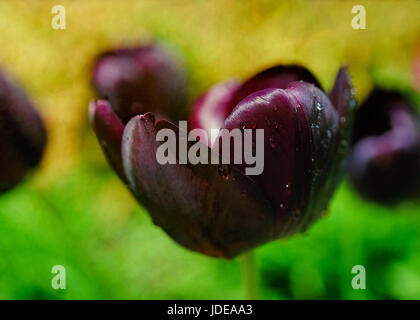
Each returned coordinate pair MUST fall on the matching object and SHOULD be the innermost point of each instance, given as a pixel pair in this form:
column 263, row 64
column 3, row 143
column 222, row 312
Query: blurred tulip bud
column 23, row 135
column 216, row 209
column 140, row 79
column 385, row 162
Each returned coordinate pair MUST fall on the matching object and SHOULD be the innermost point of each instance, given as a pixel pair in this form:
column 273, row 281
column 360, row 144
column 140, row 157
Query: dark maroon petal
column 385, row 161
column 23, row 135
column 109, row 131
column 275, row 77
column 141, row 79
column 207, row 208
column 342, row 97
column 302, row 150
column 213, row 107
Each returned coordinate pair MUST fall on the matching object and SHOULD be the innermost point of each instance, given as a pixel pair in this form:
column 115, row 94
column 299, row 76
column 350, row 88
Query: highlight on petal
column 109, row 131
column 212, row 108
column 23, row 135
column 141, row 79
column 385, row 162
column 300, row 131
column 207, row 208
column 279, row 76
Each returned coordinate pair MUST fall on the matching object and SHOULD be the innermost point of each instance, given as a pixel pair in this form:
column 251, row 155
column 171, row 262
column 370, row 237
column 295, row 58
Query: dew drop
column 343, row 144
column 276, row 124
column 329, row 133
column 272, row 144
column 275, row 108
column 253, row 124
column 319, row 106
column 224, row 171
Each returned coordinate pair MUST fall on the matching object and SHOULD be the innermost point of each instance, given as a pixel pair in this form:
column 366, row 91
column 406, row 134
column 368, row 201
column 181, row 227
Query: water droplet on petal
column 275, row 108
column 272, row 144
column 343, row 144
column 224, row 171
column 296, row 213
column 319, row 106
column 329, row 133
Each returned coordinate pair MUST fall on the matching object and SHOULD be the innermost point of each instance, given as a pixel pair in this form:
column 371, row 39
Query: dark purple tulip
column 23, row 135
column 212, row 108
column 140, row 79
column 217, row 209
column 385, row 162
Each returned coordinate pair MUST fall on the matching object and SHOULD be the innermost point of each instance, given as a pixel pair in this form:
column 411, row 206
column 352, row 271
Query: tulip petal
column 212, row 108
column 23, row 135
column 109, row 131
column 302, row 150
column 140, row 79
column 279, row 76
column 200, row 208
column 385, row 162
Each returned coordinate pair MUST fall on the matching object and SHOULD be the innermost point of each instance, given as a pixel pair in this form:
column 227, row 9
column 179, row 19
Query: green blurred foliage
column 75, row 212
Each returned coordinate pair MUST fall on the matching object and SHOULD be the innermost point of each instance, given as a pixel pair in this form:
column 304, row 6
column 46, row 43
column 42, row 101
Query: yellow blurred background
column 217, row 40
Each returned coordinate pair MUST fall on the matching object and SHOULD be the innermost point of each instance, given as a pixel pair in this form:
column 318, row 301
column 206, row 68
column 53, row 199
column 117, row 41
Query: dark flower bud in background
column 23, row 135
column 385, row 162
column 216, row 209
column 141, row 79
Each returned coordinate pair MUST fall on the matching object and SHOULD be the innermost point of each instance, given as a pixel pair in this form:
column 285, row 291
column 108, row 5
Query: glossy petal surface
column 219, row 215
column 279, row 76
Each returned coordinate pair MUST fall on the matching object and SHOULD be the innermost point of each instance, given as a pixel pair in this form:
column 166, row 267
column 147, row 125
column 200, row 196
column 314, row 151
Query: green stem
column 249, row 275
